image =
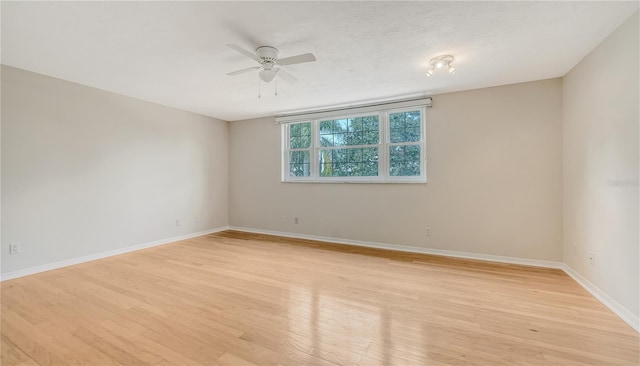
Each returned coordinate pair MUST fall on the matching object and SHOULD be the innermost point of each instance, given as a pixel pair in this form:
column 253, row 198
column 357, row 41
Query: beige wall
column 86, row 171
column 600, row 143
column 494, row 171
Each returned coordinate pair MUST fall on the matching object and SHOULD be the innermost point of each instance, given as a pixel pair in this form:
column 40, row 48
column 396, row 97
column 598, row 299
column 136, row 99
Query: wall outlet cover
column 15, row 248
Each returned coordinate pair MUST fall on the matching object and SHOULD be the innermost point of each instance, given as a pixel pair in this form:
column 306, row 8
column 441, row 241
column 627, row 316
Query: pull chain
column 276, row 85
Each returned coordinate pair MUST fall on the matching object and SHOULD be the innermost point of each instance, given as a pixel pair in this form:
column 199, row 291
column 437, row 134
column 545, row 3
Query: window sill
column 339, row 181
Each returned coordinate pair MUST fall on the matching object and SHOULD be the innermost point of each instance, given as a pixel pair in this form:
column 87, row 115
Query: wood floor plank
column 12, row 355
column 234, row 298
column 230, row 360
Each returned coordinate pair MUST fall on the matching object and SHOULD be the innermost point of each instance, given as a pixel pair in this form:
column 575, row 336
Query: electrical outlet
column 295, row 220
column 592, row 258
column 283, row 219
column 427, row 231
column 15, row 248
column 177, row 222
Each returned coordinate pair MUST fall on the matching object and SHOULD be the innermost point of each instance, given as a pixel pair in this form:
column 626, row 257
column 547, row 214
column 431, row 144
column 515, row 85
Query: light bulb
column 439, row 64
column 429, row 72
column 451, row 69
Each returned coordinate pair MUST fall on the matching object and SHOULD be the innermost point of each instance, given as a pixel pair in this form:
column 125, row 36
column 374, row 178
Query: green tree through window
column 404, row 153
column 299, row 155
column 361, row 161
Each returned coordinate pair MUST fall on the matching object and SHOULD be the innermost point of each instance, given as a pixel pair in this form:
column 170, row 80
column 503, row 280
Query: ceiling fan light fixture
column 452, row 69
column 267, row 75
column 430, row 72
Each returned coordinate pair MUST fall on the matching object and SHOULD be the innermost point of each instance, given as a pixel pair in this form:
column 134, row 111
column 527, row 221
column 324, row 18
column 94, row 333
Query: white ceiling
column 175, row 54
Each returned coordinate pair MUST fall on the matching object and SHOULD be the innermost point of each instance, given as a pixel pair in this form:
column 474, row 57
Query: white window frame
column 383, row 146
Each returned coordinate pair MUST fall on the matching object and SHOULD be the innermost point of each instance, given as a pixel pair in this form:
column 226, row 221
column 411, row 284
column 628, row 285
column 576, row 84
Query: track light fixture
column 440, row 62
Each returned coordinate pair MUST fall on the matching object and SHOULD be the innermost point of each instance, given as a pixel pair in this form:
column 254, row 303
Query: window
column 384, row 146
column 349, row 147
column 405, row 140
column 299, row 149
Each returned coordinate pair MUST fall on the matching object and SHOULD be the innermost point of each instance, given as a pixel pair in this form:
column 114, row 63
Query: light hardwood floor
column 241, row 299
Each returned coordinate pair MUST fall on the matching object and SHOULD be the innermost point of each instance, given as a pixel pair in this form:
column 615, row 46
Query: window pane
column 350, row 131
column 404, row 126
column 299, row 163
column 359, row 162
column 300, row 135
column 404, row 161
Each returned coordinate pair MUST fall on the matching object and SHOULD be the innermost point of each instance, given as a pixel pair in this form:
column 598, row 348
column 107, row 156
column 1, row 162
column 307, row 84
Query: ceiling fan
column 270, row 64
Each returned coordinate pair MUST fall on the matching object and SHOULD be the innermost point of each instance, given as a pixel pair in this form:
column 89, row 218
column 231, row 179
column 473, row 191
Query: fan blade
column 243, row 71
column 284, row 75
column 306, row 57
column 244, row 51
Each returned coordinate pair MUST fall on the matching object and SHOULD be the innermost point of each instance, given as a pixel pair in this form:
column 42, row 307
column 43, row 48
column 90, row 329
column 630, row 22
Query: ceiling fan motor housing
column 267, row 54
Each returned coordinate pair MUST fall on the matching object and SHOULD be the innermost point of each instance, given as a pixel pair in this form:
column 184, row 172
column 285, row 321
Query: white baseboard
column 612, row 304
column 410, row 249
column 109, row 253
